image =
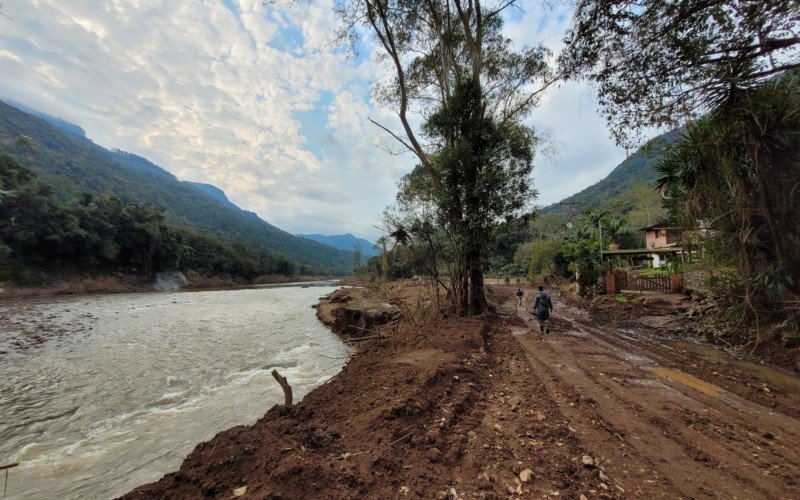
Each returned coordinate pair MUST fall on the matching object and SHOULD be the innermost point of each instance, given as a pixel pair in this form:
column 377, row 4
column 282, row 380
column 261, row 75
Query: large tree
column 467, row 86
column 661, row 62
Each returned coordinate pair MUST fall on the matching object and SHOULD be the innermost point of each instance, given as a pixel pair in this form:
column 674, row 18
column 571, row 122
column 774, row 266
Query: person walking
column 542, row 307
column 520, row 294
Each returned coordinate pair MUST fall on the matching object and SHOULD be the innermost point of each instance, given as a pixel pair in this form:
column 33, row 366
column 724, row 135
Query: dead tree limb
column 287, row 389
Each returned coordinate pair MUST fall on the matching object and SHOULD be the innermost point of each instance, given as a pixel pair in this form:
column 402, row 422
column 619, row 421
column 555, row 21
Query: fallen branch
column 354, row 339
column 287, row 389
column 401, row 438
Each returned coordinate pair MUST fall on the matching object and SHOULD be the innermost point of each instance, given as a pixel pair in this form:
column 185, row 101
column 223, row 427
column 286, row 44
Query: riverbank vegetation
column 49, row 231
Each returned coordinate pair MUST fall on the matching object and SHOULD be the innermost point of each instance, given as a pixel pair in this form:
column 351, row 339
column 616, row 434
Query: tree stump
column 287, row 389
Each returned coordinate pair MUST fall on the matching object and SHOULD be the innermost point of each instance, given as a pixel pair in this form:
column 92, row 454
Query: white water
column 138, row 380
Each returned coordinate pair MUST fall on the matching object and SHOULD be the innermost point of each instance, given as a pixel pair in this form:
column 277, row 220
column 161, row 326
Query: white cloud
column 233, row 93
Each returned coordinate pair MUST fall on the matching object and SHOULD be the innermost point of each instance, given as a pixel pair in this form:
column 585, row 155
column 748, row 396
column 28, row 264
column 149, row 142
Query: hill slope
column 344, row 242
column 614, row 192
column 72, row 159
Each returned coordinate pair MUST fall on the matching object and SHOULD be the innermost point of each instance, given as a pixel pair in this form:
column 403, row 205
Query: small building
column 661, row 236
column 662, row 245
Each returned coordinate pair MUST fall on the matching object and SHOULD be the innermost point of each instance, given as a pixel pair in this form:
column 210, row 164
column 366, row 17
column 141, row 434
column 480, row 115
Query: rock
column 240, row 491
column 441, row 495
column 587, row 461
column 540, row 416
column 526, row 476
column 602, row 476
column 498, row 427
column 484, row 481
column 434, row 455
column 583, row 497
column 171, row 281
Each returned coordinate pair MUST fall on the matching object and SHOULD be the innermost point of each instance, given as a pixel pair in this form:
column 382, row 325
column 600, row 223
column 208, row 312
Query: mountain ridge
column 345, row 241
column 77, row 162
column 638, row 169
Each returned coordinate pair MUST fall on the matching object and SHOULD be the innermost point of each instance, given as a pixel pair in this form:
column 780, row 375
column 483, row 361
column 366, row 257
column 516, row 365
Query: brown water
column 773, row 377
column 138, row 380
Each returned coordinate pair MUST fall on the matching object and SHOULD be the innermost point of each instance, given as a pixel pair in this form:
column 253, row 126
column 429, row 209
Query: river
column 130, row 384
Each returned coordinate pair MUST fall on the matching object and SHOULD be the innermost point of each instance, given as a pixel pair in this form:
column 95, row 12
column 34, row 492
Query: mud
column 356, row 312
column 489, row 408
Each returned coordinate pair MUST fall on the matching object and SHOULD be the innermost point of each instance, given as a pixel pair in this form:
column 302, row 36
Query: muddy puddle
column 125, row 386
column 773, row 377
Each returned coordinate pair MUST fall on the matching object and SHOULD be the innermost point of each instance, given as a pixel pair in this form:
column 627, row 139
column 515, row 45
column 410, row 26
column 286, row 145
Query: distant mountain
column 62, row 152
column 62, row 125
column 220, row 197
column 344, row 242
column 638, row 170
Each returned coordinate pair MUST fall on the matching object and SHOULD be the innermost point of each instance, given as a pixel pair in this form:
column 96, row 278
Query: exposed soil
column 488, row 407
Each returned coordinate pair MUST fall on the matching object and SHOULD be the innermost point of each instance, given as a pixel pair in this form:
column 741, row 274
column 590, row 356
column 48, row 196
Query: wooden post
column 611, row 283
column 675, row 282
column 287, row 389
column 6, row 467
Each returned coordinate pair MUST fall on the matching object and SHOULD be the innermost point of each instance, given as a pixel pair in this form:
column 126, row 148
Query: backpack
column 544, row 301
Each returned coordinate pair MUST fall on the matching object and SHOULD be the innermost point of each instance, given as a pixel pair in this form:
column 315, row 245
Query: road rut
column 655, row 429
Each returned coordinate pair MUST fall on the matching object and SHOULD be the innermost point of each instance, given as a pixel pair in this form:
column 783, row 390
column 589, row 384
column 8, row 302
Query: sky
column 255, row 100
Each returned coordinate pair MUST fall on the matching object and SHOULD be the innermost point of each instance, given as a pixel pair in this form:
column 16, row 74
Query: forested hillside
column 628, row 190
column 70, row 160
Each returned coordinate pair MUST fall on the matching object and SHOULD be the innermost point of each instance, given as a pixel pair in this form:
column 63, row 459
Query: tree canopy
column 657, row 62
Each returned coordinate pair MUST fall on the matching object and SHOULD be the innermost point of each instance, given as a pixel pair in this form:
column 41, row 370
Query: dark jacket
column 539, row 306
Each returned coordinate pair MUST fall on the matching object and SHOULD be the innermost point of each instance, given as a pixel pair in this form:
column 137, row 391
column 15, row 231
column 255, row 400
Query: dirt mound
column 355, row 312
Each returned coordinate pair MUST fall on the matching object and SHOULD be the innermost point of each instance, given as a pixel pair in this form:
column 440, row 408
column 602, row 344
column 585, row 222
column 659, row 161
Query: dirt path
column 656, row 429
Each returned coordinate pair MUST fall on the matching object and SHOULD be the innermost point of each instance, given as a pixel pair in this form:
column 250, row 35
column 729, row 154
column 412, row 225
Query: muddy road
column 661, row 419
column 604, row 407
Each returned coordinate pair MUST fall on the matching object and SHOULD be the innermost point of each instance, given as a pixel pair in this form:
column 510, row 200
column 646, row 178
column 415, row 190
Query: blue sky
column 254, row 100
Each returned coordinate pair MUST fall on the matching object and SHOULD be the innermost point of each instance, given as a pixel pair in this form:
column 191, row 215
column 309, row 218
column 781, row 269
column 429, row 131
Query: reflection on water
column 771, row 376
column 139, row 380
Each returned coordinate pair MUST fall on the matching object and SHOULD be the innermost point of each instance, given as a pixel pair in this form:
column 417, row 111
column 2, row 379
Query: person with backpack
column 542, row 307
column 519, row 297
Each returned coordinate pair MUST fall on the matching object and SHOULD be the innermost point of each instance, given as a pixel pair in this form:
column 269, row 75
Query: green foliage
column 738, row 170
column 583, row 257
column 543, row 257
column 72, row 158
column 656, row 62
column 101, row 234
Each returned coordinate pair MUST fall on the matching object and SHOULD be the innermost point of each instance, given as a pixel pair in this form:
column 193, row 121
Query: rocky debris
column 526, row 476
column 701, row 306
column 171, row 281
column 434, row 455
column 587, row 461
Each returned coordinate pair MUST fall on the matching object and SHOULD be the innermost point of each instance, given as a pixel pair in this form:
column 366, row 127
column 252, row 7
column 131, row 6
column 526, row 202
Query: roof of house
column 647, row 251
column 660, row 226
